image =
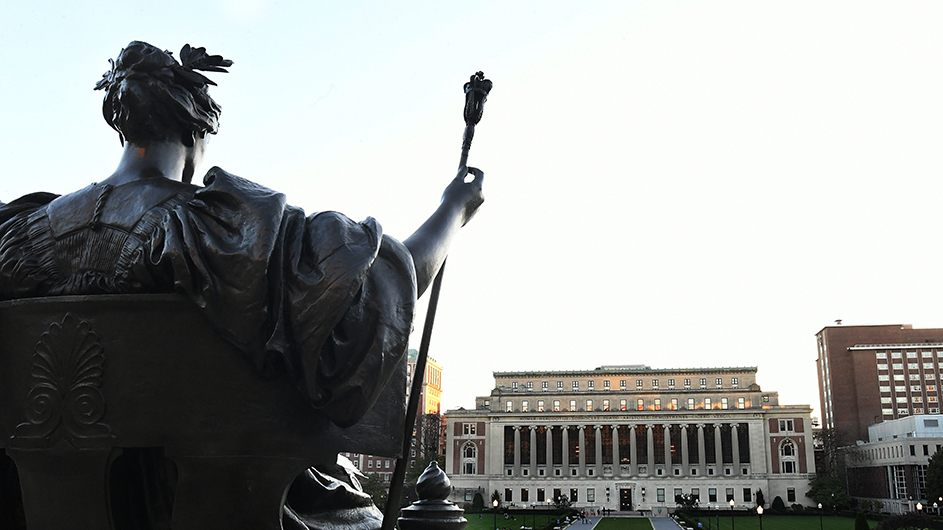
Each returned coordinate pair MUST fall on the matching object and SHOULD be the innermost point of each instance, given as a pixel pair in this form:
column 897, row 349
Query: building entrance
column 625, row 499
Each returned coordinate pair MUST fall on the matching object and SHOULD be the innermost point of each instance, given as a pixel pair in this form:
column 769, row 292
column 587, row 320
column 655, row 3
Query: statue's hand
column 465, row 193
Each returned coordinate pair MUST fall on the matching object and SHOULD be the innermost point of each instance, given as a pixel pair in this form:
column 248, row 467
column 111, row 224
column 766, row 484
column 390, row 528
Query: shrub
column 778, row 505
column 909, row 521
column 861, row 522
column 478, row 503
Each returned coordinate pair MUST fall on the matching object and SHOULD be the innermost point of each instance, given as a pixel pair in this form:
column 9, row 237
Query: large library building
column 630, row 438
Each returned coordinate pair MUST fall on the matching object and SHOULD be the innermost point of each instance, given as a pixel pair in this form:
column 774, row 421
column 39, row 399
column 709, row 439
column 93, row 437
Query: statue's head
column 150, row 96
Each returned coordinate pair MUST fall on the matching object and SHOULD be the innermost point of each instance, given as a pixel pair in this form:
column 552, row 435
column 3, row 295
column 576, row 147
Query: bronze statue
column 326, row 301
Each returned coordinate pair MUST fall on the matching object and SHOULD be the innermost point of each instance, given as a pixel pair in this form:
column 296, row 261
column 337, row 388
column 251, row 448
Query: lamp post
column 820, row 516
column 759, row 511
column 919, row 507
column 731, row 515
column 495, row 504
column 936, row 508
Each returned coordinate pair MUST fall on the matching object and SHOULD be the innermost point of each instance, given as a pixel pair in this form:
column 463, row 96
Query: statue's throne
column 84, row 377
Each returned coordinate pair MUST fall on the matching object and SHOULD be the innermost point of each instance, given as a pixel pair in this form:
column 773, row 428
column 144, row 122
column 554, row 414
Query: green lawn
column 783, row 522
column 485, row 521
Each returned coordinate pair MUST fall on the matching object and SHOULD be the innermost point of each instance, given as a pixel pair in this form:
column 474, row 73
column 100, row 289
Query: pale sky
column 677, row 184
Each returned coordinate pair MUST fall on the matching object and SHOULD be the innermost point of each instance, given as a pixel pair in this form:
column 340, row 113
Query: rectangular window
column 638, row 384
column 696, row 493
column 573, row 405
column 556, row 405
column 707, row 403
column 508, row 496
column 525, row 406
column 718, row 382
column 911, row 355
column 622, row 404
column 545, row 385
column 574, row 495
column 723, row 404
column 370, row 464
column 660, row 494
column 525, row 495
column 674, row 404
column 622, row 383
column 790, row 494
column 881, row 355
column 559, row 385
column 912, row 366
column 918, row 399
column 591, row 385
column 741, row 403
column 469, row 428
column 530, row 386
column 785, row 425
column 895, row 355
column 691, row 403
column 703, row 382
column 605, row 384
column 747, row 495
column 677, row 494
column 735, row 382
column 657, row 404
column 589, row 405
column 926, row 354
column 575, row 385
column 639, row 405
column 605, row 405
column 711, row 494
column 882, row 366
column 514, row 386
column 671, row 383
column 885, row 400
column 509, row 406
column 729, row 494
column 654, row 383
column 541, row 495
column 687, row 383
column 590, row 494
column 884, row 377
column 540, row 405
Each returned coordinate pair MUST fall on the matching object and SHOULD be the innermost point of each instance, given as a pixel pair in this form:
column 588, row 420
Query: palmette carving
column 66, row 398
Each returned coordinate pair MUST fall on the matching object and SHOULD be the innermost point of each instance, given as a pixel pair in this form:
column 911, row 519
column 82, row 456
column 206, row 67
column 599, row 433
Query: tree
column 861, row 522
column 934, row 489
column 376, row 489
column 760, row 501
column 478, row 502
column 829, row 491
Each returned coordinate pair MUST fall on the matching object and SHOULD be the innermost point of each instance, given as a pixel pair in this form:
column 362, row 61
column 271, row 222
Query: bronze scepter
column 476, row 92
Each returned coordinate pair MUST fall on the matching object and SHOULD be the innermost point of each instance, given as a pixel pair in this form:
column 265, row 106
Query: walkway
column 663, row 523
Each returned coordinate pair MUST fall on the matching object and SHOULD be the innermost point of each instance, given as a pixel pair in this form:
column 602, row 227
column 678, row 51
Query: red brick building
column 869, row 374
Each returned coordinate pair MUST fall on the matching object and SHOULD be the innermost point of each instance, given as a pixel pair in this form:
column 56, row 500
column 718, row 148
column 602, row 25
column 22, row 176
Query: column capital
column 518, row 427
column 598, row 427
column 666, row 425
column 581, row 427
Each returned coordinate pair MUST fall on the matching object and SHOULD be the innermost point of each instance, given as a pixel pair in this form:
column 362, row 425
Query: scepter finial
column 476, row 92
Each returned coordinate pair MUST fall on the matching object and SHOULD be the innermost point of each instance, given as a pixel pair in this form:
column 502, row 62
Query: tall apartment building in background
column 870, row 374
column 630, row 438
column 430, row 402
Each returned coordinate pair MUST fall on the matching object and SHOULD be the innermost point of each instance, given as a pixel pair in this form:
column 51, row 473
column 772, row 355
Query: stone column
column 598, row 450
column 517, row 450
column 533, row 451
column 735, row 440
column 651, row 448
column 582, row 458
column 633, row 453
column 718, row 449
column 685, row 457
column 701, row 450
column 616, row 458
column 565, row 438
column 667, row 429
column 549, row 450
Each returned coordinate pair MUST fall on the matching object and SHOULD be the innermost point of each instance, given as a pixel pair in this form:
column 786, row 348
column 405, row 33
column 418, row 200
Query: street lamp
column 495, row 504
column 820, row 516
column 731, row 515
column 919, row 506
column 759, row 511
